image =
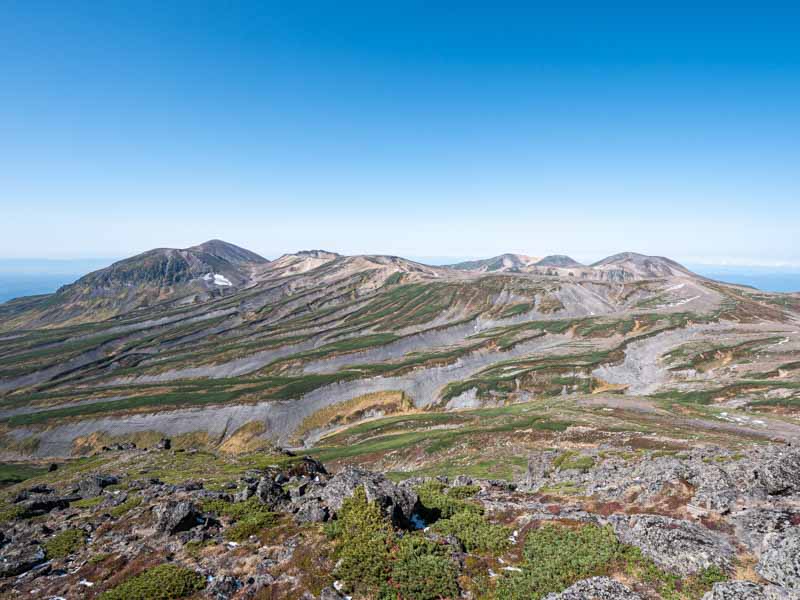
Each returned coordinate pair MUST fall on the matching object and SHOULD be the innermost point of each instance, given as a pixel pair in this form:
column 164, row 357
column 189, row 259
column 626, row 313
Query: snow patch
column 217, row 279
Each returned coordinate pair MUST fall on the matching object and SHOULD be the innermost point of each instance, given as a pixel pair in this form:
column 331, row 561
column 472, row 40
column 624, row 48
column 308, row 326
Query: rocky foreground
column 709, row 524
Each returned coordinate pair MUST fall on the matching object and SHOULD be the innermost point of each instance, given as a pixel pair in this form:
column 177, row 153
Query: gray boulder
column 747, row 590
column 754, row 524
column 678, row 546
column 397, row 502
column 595, row 588
column 92, row 487
column 19, row 557
column 172, row 516
column 271, row 494
column 781, row 475
column 780, row 558
column 311, row 511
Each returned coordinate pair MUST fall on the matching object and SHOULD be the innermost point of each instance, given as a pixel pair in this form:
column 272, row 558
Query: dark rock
column 92, row 487
column 595, row 588
column 311, row 511
column 40, row 505
column 330, row 594
column 173, row 516
column 192, row 486
column 20, row 557
column 164, row 444
column 307, row 467
column 461, row 480
column 52, row 467
column 782, row 474
column 397, row 502
column 675, row 545
column 271, row 494
column 780, row 558
column 223, row 587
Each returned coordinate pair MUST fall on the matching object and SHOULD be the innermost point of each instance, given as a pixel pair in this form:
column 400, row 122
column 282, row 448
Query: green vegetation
column 476, row 533
column 374, row 561
column 11, row 473
column 250, row 517
column 121, row 509
column 572, row 460
column 556, row 556
column 87, row 502
column 438, row 504
column 64, row 543
column 163, row 582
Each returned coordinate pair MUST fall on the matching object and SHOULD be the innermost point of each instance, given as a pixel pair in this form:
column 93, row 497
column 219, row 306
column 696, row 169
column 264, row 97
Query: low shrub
column 64, row 543
column 438, row 504
column 476, row 533
column 363, row 537
column 163, row 582
column 120, row 509
column 556, row 556
column 421, row 570
column 462, row 492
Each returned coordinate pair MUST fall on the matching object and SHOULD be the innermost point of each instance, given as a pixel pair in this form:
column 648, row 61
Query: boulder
column 20, row 557
column 747, row 590
column 164, row 444
column 461, row 480
column 754, row 524
column 270, row 493
column 307, row 467
column 92, row 487
column 173, row 516
column 595, row 588
column 781, row 475
column 311, row 511
column 780, row 558
column 675, row 545
column 396, row 502
column 40, row 505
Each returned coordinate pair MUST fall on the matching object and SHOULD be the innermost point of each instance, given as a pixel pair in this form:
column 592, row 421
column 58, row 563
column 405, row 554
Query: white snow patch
column 217, row 279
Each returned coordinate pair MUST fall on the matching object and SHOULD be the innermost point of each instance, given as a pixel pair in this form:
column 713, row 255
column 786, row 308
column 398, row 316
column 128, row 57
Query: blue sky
column 460, row 129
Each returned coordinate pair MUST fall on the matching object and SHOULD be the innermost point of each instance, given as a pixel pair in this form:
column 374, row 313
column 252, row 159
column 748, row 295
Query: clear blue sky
column 413, row 128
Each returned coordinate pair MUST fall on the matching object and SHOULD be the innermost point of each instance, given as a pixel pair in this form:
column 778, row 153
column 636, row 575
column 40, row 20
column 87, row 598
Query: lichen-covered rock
column 271, row 494
column 753, row 525
column 397, row 502
column 679, row 546
column 19, row 557
column 780, row 558
column 595, row 588
column 747, row 590
column 172, row 516
column 311, row 511
column 92, row 487
column 781, row 475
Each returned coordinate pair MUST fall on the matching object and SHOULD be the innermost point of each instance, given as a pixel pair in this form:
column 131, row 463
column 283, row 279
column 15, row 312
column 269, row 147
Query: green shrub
column 476, row 533
column 422, row 570
column 462, row 492
column 556, row 556
column 572, row 460
column 87, row 502
column 249, row 517
column 437, row 504
column 669, row 585
column 163, row 582
column 10, row 513
column 363, row 537
column 64, row 543
column 242, row 529
column 121, row 509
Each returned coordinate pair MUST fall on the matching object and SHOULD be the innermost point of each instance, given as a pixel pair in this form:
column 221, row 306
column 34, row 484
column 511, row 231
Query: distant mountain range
column 214, row 339
column 215, row 268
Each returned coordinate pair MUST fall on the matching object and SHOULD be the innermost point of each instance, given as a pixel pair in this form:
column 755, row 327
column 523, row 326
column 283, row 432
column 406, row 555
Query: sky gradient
column 457, row 130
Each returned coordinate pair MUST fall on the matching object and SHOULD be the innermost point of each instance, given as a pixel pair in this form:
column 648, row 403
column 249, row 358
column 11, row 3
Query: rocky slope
column 212, row 339
column 708, row 523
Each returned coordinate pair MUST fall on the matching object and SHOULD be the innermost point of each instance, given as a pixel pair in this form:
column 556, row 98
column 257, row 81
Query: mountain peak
column 227, row 251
